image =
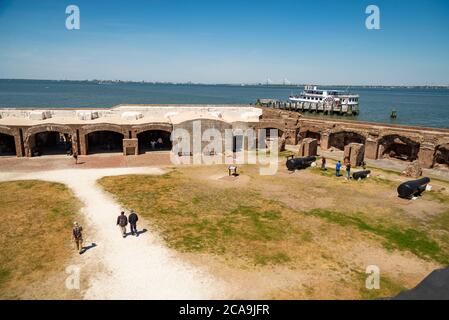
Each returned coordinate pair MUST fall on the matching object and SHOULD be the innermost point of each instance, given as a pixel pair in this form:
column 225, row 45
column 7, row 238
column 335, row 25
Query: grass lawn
column 309, row 224
column 34, row 234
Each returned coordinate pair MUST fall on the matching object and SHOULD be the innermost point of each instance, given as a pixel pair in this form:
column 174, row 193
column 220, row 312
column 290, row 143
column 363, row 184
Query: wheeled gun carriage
column 299, row 163
column 412, row 188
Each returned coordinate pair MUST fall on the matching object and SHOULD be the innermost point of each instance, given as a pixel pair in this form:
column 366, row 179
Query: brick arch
column 309, row 132
column 341, row 137
column 6, row 130
column 48, row 127
column 441, row 155
column 12, row 134
column 91, row 128
column 398, row 146
column 145, row 133
column 30, row 135
column 152, row 126
column 102, row 127
column 350, row 131
column 271, row 124
column 405, row 138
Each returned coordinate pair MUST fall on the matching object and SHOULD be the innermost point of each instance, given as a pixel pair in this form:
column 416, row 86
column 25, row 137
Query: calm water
column 423, row 107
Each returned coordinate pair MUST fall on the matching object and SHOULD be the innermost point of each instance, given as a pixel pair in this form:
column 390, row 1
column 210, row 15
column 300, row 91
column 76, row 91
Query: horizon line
column 230, row 83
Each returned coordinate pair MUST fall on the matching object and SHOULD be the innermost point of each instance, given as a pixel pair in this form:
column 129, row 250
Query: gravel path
column 131, row 268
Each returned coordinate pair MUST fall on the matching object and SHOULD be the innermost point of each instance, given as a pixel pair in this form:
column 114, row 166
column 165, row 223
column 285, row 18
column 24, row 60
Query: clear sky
column 227, row 41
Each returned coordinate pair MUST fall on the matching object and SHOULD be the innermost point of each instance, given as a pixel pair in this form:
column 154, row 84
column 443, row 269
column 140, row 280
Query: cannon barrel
column 299, row 163
column 360, row 174
column 411, row 188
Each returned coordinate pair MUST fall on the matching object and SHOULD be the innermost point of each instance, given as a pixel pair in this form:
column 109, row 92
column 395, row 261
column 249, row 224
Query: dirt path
column 131, row 268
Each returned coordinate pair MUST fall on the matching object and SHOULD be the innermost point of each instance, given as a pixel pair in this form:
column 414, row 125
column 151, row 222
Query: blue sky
column 217, row 41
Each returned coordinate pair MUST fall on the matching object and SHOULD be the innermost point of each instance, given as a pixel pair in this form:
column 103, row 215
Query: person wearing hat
column 78, row 236
column 133, row 218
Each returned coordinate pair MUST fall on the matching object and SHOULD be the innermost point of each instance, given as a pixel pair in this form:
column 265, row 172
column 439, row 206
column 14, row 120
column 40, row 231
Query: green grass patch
column 271, row 259
column 439, row 196
column 330, row 172
column 196, row 217
column 286, row 153
column 4, row 275
column 382, row 181
column 387, row 287
column 412, row 240
column 441, row 221
column 34, row 241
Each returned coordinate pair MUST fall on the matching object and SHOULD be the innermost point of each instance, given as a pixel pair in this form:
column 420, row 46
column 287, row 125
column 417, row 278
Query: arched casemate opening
column 154, row 140
column 7, row 145
column 398, row 147
column 104, row 142
column 340, row 139
column 309, row 134
column 441, row 158
column 50, row 143
column 268, row 132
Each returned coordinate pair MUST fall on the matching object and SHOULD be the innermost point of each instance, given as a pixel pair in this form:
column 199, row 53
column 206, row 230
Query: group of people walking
column 123, row 220
column 122, row 223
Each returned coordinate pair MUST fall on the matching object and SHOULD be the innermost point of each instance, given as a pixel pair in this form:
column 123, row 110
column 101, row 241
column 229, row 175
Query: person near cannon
column 338, row 168
column 348, row 170
column 323, row 163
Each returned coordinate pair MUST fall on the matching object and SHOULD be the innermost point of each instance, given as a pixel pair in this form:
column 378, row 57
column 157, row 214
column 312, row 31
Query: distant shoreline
column 292, row 85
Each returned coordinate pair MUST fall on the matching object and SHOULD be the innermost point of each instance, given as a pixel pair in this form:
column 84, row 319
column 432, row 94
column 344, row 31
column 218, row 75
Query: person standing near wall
column 122, row 222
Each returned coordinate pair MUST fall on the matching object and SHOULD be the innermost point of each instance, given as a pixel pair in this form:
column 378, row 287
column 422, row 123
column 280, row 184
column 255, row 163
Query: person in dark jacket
column 122, row 222
column 323, row 163
column 133, row 218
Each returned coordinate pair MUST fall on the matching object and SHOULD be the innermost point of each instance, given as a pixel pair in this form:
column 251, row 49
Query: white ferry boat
column 326, row 101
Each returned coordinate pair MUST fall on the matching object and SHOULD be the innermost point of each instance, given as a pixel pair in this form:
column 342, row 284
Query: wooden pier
column 309, row 107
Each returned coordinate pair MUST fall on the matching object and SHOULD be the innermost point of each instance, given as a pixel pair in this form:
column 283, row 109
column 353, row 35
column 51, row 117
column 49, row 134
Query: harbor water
column 414, row 106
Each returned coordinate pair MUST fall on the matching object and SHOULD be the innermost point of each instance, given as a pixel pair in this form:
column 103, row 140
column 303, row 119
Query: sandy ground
column 131, row 268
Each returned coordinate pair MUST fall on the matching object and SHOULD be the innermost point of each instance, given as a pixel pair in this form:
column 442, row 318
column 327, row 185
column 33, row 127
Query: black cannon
column 360, row 174
column 412, row 188
column 299, row 163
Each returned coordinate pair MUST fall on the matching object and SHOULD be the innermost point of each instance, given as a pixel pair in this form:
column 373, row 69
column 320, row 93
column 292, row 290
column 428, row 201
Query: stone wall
column 428, row 146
